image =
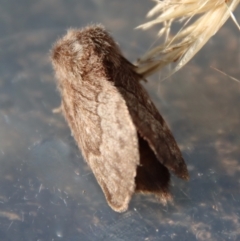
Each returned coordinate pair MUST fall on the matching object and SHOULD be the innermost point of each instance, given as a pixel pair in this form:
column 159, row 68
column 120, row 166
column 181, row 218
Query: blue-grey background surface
column 47, row 191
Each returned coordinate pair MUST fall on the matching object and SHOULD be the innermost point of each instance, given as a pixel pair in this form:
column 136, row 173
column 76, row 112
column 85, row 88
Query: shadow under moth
column 120, row 132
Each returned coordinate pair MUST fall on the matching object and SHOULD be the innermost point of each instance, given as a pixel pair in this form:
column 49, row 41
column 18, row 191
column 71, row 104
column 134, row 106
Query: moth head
column 81, row 51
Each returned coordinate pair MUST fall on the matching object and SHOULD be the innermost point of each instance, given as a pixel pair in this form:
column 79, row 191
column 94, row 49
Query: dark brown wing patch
column 152, row 176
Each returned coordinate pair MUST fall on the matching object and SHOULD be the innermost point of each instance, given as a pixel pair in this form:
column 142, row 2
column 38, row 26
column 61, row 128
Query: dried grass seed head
column 211, row 15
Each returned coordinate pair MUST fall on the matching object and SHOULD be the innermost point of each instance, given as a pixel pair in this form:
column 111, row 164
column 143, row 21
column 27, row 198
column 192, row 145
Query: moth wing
column 108, row 140
column 150, row 124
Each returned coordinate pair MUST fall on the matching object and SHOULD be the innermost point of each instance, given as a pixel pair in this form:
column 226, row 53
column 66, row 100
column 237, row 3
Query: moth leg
column 57, row 110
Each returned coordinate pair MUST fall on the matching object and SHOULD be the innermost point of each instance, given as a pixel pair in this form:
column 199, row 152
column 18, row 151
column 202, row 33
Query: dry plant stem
column 231, row 77
column 212, row 14
column 120, row 132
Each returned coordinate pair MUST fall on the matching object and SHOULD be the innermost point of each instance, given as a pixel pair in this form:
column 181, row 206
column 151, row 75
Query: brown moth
column 120, row 132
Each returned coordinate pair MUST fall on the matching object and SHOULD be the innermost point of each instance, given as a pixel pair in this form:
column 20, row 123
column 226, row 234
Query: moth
column 120, row 132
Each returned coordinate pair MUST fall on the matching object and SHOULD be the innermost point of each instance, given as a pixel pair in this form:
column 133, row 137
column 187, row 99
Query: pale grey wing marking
column 116, row 169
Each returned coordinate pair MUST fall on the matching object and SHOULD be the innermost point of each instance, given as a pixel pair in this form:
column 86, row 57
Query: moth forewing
column 98, row 117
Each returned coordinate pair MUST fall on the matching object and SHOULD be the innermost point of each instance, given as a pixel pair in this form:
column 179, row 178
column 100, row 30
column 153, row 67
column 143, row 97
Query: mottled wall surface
column 47, row 191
